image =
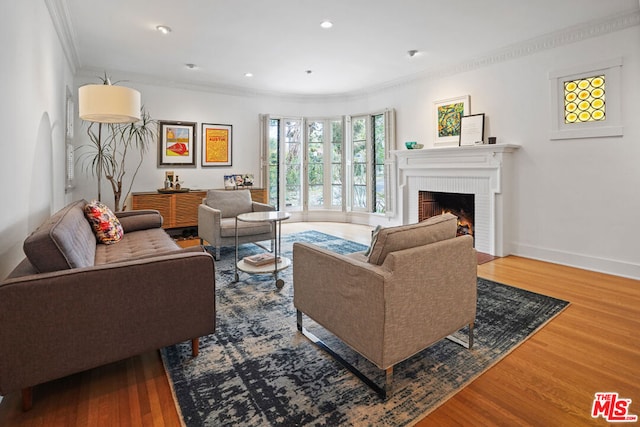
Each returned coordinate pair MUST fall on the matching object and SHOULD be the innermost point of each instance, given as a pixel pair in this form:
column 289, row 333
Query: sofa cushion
column 64, row 241
column 228, row 228
column 136, row 245
column 431, row 230
column 104, row 222
column 230, row 203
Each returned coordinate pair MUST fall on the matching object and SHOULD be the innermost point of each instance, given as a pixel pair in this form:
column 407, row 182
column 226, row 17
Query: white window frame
column 612, row 125
column 326, row 163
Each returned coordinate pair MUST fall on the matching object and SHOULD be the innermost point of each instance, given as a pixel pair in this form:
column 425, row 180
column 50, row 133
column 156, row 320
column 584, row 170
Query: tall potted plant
column 111, row 147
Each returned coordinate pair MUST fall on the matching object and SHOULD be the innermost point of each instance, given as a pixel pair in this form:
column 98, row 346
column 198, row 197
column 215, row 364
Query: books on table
column 259, row 259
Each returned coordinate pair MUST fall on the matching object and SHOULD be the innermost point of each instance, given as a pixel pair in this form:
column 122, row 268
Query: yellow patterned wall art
column 584, row 100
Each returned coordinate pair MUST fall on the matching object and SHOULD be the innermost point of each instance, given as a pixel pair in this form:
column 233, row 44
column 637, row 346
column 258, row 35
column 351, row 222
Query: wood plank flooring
column 549, row 380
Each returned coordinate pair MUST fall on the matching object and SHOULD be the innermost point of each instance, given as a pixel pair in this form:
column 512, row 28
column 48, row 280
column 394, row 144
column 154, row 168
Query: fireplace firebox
column 431, row 203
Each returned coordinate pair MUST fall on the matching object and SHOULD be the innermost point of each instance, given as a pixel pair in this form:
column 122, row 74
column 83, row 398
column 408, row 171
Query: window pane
column 336, row 131
column 316, row 174
column 360, row 196
column 380, row 200
column 336, row 195
column 315, row 152
column 292, row 196
column 316, row 131
column 359, row 151
column 273, row 160
column 359, row 129
column 292, row 131
column 336, row 153
column 359, row 173
column 316, row 195
column 293, row 164
column 336, row 174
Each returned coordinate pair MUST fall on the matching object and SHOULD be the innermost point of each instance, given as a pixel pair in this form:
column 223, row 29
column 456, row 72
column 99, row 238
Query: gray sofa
column 416, row 286
column 73, row 304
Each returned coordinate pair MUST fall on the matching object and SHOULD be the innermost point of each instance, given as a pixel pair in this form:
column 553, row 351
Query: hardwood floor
column 551, row 379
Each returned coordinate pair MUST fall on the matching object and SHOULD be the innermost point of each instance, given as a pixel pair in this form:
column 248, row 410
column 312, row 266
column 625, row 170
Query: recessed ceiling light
column 248, row 74
column 308, row 71
column 326, row 24
column 163, row 29
column 412, row 53
column 191, row 66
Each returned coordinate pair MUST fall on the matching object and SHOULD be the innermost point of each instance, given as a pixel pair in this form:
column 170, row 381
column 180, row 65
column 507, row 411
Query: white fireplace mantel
column 482, row 170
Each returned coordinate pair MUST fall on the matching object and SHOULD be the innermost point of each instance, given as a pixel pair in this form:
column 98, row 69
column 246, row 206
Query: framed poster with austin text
column 176, row 143
column 216, row 144
column 447, row 114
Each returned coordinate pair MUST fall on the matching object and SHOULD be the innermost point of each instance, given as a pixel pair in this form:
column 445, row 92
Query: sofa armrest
column 261, row 207
column 55, row 324
column 209, row 224
column 139, row 220
column 344, row 295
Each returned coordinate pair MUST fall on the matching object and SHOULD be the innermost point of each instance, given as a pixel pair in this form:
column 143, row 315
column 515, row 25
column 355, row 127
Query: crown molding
column 59, row 12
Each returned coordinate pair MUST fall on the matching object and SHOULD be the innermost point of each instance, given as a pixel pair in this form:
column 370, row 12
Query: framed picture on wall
column 447, row 116
column 217, row 143
column 176, row 143
column 472, row 129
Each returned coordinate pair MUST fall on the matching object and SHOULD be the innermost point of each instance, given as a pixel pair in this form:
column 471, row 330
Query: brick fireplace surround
column 483, row 170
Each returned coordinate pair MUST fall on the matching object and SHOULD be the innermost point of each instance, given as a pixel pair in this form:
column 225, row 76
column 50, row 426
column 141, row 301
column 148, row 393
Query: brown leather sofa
column 73, row 304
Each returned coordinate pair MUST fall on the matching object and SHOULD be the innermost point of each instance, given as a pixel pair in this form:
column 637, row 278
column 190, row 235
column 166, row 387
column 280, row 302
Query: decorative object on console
column 492, row 139
column 216, row 144
column 472, row 129
column 119, row 107
column 447, row 114
column 412, row 145
column 233, row 182
column 176, row 143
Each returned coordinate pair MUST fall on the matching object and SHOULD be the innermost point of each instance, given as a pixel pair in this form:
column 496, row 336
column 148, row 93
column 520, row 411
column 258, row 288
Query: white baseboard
column 586, row 262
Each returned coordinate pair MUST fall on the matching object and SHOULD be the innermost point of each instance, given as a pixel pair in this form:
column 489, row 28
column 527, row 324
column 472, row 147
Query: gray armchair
column 416, row 286
column 217, row 223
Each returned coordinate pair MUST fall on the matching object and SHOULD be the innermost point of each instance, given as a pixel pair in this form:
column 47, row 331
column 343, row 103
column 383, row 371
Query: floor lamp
column 105, row 103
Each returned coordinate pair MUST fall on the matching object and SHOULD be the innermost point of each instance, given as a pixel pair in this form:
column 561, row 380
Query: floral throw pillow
column 105, row 224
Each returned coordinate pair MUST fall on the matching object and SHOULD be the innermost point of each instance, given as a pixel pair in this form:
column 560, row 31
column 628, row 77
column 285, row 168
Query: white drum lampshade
column 108, row 104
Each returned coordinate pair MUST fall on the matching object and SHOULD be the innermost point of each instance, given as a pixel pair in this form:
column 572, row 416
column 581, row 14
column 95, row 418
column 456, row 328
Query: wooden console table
column 181, row 209
column 177, row 209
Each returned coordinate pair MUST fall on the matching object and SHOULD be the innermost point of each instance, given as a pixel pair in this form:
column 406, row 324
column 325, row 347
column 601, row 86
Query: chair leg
column 384, row 392
column 195, row 347
column 217, row 253
column 27, row 398
column 466, row 344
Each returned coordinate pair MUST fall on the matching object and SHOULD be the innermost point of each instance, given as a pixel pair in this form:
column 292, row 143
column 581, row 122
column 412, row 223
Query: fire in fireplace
column 431, row 203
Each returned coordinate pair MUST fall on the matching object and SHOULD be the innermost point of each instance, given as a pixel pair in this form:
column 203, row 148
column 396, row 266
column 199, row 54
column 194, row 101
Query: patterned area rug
column 257, row 370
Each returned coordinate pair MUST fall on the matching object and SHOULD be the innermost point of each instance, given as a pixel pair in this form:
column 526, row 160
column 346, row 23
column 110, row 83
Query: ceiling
column 280, row 41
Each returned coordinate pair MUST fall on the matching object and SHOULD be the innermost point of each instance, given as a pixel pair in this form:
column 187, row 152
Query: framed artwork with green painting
column 447, row 119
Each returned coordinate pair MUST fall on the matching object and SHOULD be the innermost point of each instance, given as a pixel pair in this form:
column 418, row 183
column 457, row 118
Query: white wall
column 33, row 80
